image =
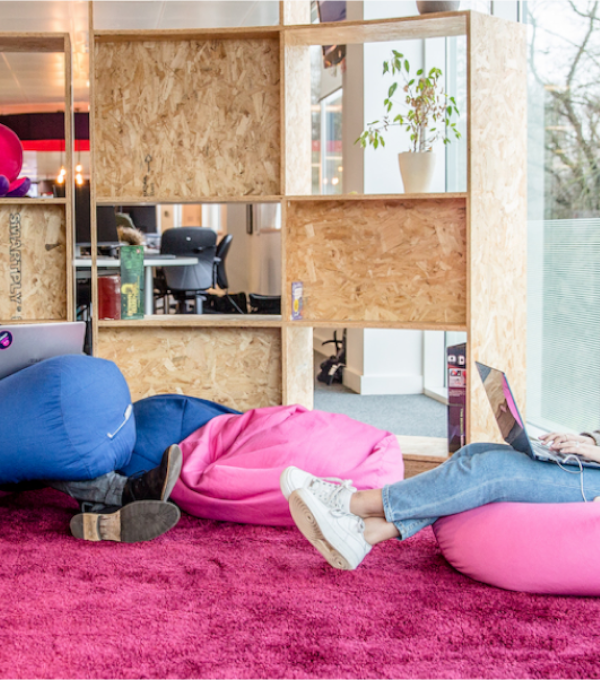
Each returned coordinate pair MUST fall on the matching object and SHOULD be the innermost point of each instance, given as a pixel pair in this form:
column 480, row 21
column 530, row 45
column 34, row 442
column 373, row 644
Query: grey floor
column 415, row 415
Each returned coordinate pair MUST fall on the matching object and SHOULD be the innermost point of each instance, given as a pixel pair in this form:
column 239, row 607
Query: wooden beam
column 33, row 42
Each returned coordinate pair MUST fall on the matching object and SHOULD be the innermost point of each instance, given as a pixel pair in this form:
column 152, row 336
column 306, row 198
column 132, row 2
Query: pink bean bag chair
column 551, row 548
column 232, row 465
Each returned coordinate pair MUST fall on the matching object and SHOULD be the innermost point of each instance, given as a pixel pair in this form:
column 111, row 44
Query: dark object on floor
column 156, row 484
column 20, row 487
column 332, row 369
column 265, row 304
column 232, row 303
column 133, row 523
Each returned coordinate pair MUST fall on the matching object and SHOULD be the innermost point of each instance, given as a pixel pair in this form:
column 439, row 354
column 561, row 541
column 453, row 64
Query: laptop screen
column 27, row 344
column 503, row 403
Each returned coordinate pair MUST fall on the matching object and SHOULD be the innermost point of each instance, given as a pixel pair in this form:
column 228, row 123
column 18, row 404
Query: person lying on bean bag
column 69, row 422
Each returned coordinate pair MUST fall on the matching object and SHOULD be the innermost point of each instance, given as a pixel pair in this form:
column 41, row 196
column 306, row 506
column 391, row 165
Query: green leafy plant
column 430, row 114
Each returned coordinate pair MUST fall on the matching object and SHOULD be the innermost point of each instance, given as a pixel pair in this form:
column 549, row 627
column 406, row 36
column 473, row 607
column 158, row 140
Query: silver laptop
column 26, row 344
column 512, row 427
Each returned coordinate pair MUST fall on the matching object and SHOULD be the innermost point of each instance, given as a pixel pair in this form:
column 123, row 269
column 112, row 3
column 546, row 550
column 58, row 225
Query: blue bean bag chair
column 67, row 418
column 163, row 420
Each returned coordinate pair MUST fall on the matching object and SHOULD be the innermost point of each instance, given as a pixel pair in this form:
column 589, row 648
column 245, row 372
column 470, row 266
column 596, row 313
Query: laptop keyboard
column 567, row 458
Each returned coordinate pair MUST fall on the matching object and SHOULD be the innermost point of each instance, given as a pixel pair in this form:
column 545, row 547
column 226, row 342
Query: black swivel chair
column 188, row 283
column 220, row 277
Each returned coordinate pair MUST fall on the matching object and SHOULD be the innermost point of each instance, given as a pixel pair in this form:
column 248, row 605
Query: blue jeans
column 98, row 493
column 480, row 474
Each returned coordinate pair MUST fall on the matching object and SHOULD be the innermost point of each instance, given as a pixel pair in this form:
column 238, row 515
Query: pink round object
column 11, row 154
column 4, row 184
column 549, row 548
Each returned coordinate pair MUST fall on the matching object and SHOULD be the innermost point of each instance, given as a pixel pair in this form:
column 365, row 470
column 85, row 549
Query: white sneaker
column 339, row 537
column 332, row 491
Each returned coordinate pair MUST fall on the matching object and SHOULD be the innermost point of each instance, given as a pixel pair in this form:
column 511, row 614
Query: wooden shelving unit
column 36, row 235
column 224, row 116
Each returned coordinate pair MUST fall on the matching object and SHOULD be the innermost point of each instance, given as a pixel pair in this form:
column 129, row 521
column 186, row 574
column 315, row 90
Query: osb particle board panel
column 298, row 144
column 33, row 268
column 389, row 260
column 185, row 119
column 498, row 211
column 240, row 368
column 298, row 368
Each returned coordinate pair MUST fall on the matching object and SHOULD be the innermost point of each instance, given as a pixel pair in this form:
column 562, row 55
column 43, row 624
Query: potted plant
column 430, row 115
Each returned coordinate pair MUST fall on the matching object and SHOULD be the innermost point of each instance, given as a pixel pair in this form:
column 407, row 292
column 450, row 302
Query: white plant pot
column 416, row 169
column 428, row 6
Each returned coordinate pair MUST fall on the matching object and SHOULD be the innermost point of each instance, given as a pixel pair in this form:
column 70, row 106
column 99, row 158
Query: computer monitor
column 106, row 221
column 142, row 216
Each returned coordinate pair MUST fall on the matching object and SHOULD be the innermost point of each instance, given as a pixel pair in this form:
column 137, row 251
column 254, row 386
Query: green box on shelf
column 132, row 282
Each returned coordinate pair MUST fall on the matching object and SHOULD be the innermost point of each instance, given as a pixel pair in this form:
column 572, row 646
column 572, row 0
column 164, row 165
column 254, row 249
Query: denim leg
column 480, row 474
column 104, row 490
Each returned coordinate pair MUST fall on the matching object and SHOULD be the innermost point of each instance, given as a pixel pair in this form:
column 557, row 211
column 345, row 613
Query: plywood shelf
column 397, row 325
column 33, row 201
column 34, row 42
column 442, row 25
column 176, row 35
column 257, row 198
column 381, row 197
column 157, row 200
column 197, row 321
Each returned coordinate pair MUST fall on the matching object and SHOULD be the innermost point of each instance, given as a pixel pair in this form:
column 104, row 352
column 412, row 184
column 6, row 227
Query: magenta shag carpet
column 218, row 600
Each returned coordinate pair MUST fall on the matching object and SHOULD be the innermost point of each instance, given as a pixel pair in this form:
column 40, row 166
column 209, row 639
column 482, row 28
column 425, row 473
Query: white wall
column 384, row 361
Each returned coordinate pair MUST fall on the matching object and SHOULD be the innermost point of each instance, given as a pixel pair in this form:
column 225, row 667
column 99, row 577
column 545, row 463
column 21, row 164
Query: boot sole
column 309, row 528
column 174, row 465
column 133, row 523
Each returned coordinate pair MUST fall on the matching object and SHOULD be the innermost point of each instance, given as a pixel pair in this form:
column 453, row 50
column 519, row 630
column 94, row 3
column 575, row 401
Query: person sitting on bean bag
column 343, row 524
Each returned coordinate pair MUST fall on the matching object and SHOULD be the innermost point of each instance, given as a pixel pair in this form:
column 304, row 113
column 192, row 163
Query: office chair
column 188, row 283
column 220, row 274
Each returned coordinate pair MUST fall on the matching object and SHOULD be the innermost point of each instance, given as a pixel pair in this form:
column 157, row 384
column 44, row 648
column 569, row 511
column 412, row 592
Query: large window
column 564, row 214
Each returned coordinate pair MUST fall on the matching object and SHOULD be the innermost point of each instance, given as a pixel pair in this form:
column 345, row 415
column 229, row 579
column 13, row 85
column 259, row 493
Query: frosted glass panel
column 564, row 323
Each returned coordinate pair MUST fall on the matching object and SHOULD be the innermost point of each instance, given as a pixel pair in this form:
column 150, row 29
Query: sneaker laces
column 331, row 492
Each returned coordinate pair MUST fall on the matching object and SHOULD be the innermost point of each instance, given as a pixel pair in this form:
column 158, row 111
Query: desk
column 149, row 262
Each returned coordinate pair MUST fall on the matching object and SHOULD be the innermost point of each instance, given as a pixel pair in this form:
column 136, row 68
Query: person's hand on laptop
column 578, row 444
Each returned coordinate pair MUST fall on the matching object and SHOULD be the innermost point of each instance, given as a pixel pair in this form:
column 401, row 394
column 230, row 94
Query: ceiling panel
column 28, row 79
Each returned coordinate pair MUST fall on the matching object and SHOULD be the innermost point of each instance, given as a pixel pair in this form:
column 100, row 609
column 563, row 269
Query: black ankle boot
column 138, row 521
column 157, row 484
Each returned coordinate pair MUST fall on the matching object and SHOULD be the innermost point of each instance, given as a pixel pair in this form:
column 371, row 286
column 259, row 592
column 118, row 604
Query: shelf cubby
column 36, row 234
